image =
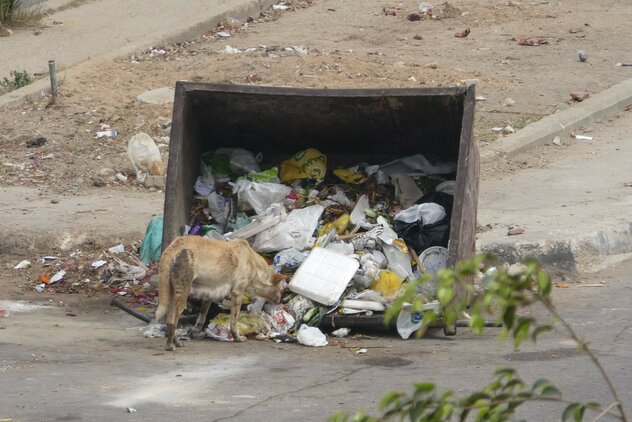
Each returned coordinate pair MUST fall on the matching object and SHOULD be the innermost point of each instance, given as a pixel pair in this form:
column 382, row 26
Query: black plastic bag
column 421, row 236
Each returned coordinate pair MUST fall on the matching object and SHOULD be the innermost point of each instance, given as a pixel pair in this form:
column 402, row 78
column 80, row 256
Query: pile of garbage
column 116, row 270
column 348, row 239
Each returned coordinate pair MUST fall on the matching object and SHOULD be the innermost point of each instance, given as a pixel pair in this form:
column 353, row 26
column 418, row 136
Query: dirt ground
column 321, row 44
column 347, row 44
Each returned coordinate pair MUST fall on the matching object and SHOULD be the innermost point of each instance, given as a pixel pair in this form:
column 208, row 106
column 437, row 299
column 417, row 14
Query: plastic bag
column 270, row 218
column 421, row 236
column 298, row 306
column 260, row 195
column 307, row 164
column 270, row 176
column 398, row 259
column 428, row 213
column 408, row 323
column 150, row 249
column 311, row 336
column 353, row 177
column 240, row 161
column 219, row 208
column 144, row 154
column 341, row 224
column 278, row 318
column 293, row 232
column 219, row 327
column 288, row 259
column 388, row 284
column 406, row 190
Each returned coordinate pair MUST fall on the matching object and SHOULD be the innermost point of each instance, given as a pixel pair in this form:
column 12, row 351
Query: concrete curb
column 38, row 88
column 579, row 115
column 582, row 255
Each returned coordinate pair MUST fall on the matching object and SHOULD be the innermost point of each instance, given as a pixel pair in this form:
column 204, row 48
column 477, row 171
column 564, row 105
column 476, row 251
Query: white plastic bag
column 219, row 208
column 144, row 154
column 398, row 261
column 408, row 323
column 293, row 232
column 311, row 336
column 241, row 161
column 428, row 213
column 271, row 217
column 260, row 195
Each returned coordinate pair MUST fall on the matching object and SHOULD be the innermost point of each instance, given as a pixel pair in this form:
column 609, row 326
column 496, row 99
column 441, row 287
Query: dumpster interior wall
column 348, row 126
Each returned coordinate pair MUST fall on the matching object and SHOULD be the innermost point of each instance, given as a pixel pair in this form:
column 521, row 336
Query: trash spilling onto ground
column 348, row 238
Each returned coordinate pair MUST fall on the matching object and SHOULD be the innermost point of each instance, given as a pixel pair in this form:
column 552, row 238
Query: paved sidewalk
column 100, row 27
column 575, row 211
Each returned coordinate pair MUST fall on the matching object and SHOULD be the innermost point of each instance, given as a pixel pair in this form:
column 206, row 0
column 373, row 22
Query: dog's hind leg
column 201, row 319
column 180, row 281
column 236, row 299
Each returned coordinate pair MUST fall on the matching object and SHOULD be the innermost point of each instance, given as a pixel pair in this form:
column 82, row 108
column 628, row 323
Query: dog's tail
column 174, row 274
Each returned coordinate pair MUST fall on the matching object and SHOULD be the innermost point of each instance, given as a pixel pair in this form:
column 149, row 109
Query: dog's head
column 272, row 291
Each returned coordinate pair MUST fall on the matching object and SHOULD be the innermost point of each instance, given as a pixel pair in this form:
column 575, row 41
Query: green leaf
column 574, row 412
column 445, row 295
column 540, row 384
column 551, row 391
column 544, row 283
column 539, row 330
column 389, row 398
column 509, row 316
column 521, row 332
column 477, row 324
column 425, row 387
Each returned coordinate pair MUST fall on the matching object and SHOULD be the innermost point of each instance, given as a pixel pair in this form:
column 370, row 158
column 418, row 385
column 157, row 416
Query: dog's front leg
column 236, row 299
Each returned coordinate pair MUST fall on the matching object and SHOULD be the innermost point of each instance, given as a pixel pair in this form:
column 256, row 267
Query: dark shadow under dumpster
column 347, row 125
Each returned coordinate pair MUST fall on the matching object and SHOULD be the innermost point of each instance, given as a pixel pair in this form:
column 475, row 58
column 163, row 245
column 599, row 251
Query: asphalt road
column 95, row 365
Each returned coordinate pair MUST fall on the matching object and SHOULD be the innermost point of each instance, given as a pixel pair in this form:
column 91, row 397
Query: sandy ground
column 348, row 44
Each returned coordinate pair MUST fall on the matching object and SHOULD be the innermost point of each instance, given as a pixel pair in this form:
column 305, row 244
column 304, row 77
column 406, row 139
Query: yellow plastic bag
column 247, row 323
column 352, row 177
column 341, row 225
column 388, row 284
column 310, row 163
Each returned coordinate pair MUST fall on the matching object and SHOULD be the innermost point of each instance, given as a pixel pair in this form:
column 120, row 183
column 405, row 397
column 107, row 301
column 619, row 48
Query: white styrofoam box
column 324, row 276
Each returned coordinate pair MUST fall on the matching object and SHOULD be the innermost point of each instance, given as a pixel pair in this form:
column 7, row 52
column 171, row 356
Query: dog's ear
column 277, row 278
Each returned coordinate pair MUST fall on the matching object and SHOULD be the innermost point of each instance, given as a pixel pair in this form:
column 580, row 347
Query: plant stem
column 590, row 354
column 605, row 411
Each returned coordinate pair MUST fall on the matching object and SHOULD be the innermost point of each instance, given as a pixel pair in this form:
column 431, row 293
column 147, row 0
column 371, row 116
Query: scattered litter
column 280, row 6
column 223, row 34
column 36, row 142
column 582, row 56
column 110, row 133
column 22, row 264
column 311, row 336
column 131, row 410
column 117, row 249
column 579, row 96
column 532, row 42
column 624, row 64
column 145, row 156
column 341, row 332
column 562, row 285
column 231, row 50
column 98, row 264
column 121, row 177
column 361, row 352
column 463, row 33
column 581, row 137
column 514, row 231
column 509, row 102
column 557, row 141
column 480, row 98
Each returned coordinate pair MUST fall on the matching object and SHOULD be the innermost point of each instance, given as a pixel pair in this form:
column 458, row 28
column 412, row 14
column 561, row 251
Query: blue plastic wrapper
column 150, row 249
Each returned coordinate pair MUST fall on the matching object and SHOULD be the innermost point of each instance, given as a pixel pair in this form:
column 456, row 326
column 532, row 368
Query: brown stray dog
column 210, row 269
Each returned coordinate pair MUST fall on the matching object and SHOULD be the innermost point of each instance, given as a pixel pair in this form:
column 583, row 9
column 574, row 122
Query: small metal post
column 53, row 80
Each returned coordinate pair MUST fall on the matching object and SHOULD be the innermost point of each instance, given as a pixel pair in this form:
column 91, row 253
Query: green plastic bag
column 150, row 249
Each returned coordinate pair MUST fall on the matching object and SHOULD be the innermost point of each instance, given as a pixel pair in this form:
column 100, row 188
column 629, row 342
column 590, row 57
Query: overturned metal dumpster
column 347, row 125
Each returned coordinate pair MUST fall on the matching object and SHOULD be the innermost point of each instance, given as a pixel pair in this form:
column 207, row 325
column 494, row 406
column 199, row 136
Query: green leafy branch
column 506, row 294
